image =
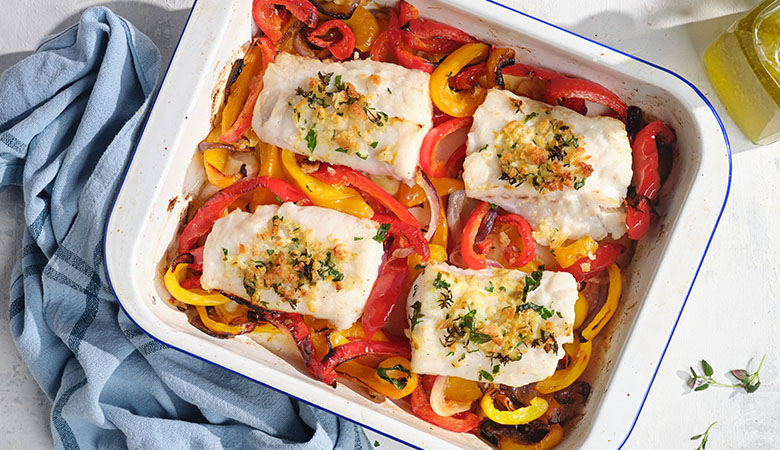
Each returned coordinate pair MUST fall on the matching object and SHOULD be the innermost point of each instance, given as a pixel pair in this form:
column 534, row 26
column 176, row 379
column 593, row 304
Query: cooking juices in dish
column 420, row 213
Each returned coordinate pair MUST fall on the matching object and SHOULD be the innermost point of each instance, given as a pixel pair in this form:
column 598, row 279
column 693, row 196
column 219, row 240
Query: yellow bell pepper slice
column 553, row 438
column 569, row 254
column 536, row 409
column 365, row 28
column 270, row 166
column 565, row 377
column 458, row 104
column 610, row 306
column 239, row 90
column 580, row 310
column 410, row 196
column 222, row 328
column 461, row 390
column 214, row 161
column 196, row 297
column 442, row 232
column 344, row 199
column 438, row 254
column 364, row 374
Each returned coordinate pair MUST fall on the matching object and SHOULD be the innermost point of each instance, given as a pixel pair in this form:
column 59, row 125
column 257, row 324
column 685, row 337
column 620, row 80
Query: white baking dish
column 155, row 192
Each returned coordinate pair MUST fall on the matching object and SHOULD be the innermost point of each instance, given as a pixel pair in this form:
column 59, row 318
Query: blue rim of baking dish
column 494, row 2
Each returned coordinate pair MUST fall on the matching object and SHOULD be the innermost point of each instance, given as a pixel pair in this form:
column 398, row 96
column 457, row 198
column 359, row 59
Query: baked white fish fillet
column 585, row 167
column 475, row 324
column 309, row 260
column 364, row 114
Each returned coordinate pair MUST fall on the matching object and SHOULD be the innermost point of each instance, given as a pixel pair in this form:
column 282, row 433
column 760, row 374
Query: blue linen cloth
column 70, row 115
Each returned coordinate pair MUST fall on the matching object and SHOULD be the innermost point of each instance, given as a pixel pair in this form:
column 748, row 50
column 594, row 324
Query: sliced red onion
column 433, row 200
column 454, row 224
column 203, row 146
column 301, row 46
column 486, row 226
column 492, row 263
column 402, row 252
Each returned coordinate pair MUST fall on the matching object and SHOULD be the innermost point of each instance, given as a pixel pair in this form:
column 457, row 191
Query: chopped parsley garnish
column 374, row 144
column 270, row 251
column 543, row 312
column 358, row 238
column 532, row 282
column 311, row 138
column 416, row 316
column 496, row 368
column 483, row 148
column 278, row 199
column 338, row 80
column 440, row 283
column 398, row 383
column 484, row 374
column 224, row 254
column 489, row 287
column 381, row 233
column 250, row 288
column 467, row 323
column 530, row 116
column 328, row 269
column 341, row 150
column 579, row 183
column 361, row 156
column 389, row 91
column 419, row 267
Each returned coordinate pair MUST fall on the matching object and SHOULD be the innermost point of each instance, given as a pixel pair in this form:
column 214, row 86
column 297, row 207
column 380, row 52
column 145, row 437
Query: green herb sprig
column 704, row 437
column 750, row 382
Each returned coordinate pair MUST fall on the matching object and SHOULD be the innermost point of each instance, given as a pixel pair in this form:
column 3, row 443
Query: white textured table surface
column 731, row 315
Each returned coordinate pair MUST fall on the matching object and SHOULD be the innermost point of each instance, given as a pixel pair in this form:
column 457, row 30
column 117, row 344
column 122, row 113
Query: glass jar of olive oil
column 744, row 67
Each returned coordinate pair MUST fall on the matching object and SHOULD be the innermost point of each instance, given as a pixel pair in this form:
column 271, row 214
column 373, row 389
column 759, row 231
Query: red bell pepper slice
column 434, row 37
column 440, row 117
column 471, row 258
column 270, row 20
column 382, row 48
column 645, row 157
column 526, row 70
column 244, row 120
column 405, row 233
column 605, row 255
column 514, row 257
column 469, row 76
column 191, row 283
column 293, row 324
column 197, row 259
column 342, row 47
column 387, row 289
column 428, row 161
column 455, row 163
column 563, row 88
column 406, row 13
column 638, row 219
column 356, row 349
column 344, row 176
column 213, row 208
column 405, row 57
column 459, row 423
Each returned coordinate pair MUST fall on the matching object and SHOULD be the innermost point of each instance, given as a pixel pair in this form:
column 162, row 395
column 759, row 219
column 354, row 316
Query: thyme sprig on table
column 748, row 381
column 704, row 437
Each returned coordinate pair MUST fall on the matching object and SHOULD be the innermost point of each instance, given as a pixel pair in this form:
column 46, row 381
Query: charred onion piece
column 332, row 9
column 527, row 433
column 497, row 60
